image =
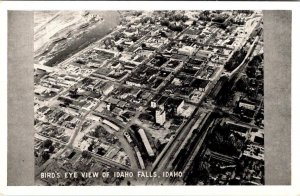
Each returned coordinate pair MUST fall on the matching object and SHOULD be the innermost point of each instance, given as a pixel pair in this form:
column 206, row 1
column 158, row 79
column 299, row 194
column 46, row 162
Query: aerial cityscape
column 149, row 97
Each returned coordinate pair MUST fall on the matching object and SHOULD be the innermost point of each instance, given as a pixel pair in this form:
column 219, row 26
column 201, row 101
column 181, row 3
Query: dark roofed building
column 162, row 100
column 175, row 105
column 200, row 84
column 237, row 128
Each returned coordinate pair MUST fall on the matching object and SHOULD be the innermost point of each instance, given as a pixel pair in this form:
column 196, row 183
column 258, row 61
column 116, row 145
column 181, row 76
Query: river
column 111, row 20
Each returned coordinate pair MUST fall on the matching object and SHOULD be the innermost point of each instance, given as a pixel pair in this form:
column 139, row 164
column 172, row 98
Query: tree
column 203, row 171
column 163, row 34
column 152, row 21
column 176, row 27
column 206, row 13
column 45, row 155
column 185, row 18
column 97, row 133
column 250, row 71
column 134, row 38
column 51, row 149
column 177, row 17
column 74, row 93
column 85, row 154
column 90, row 148
column 143, row 45
column 47, row 143
column 242, row 85
column 165, row 23
column 120, row 48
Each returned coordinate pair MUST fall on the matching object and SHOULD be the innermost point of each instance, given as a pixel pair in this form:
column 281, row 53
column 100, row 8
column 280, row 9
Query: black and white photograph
column 149, row 97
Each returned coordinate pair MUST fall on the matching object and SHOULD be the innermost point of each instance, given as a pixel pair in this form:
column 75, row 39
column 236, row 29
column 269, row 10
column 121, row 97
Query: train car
column 146, row 142
column 139, row 156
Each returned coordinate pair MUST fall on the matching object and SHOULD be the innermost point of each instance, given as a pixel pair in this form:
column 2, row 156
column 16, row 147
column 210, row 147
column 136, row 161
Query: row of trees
column 236, row 59
column 171, row 26
column 225, row 142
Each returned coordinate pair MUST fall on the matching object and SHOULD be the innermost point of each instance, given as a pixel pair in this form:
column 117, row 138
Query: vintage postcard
column 170, row 98
column 149, row 97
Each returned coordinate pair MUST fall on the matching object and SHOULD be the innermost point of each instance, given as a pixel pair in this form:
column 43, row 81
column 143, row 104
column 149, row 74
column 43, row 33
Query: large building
column 160, row 116
column 186, row 50
column 200, row 84
column 146, row 142
column 166, row 103
column 107, row 88
column 179, row 108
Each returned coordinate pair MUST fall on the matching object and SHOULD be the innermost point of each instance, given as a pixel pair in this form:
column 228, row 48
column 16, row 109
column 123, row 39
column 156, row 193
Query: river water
column 100, row 30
